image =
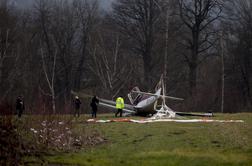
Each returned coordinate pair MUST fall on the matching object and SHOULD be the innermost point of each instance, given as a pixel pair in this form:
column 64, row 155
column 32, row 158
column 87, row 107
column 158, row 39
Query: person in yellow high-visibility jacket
column 119, row 106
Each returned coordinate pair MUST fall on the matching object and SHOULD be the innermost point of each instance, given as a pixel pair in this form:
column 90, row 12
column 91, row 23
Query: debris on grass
column 38, row 136
column 61, row 136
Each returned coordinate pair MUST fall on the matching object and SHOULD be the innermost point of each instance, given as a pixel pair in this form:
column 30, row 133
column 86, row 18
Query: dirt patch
column 36, row 138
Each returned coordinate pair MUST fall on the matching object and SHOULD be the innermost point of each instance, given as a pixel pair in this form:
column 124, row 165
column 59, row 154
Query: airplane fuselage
column 147, row 106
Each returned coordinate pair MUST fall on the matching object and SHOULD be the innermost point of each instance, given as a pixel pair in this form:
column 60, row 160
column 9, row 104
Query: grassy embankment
column 168, row 143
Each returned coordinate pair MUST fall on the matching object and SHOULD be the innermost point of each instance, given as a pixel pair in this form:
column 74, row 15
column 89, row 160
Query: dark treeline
column 203, row 48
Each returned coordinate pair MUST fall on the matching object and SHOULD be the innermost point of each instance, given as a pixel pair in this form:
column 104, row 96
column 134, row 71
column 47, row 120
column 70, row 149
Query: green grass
column 167, row 143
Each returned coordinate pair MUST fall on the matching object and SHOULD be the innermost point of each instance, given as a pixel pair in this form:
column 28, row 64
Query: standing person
column 119, row 106
column 19, row 106
column 93, row 105
column 77, row 104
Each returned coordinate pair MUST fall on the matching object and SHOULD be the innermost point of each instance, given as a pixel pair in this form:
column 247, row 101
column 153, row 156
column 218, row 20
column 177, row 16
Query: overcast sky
column 105, row 4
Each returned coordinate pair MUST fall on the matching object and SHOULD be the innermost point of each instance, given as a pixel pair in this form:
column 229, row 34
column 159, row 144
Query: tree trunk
column 53, row 102
column 1, row 73
column 222, row 76
column 194, row 60
column 247, row 80
column 147, row 69
column 67, row 84
column 166, row 51
column 78, row 75
column 192, row 78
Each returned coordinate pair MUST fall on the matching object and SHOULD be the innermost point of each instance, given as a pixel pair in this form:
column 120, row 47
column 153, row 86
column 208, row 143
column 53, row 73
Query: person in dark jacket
column 19, row 106
column 77, row 104
column 93, row 105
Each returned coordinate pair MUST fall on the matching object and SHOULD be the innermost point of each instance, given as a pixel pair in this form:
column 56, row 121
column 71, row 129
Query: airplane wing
column 194, row 114
column 151, row 94
column 113, row 107
column 112, row 104
column 107, row 103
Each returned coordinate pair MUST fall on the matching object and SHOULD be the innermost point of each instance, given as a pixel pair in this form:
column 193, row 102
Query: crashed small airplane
column 144, row 104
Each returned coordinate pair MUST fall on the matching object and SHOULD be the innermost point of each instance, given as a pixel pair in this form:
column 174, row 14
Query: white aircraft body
column 145, row 103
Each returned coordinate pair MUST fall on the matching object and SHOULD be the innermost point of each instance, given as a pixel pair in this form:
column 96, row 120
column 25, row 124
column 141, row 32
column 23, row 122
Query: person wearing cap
column 77, row 104
column 119, row 106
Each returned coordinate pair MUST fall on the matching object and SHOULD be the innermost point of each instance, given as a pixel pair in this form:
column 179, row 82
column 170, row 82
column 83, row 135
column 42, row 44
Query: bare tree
column 47, row 49
column 3, row 52
column 8, row 47
column 198, row 16
column 222, row 73
column 110, row 67
column 242, row 40
column 86, row 11
column 43, row 11
column 64, row 32
column 138, row 21
column 50, row 77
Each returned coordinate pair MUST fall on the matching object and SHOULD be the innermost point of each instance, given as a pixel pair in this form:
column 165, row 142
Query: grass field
column 166, row 143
